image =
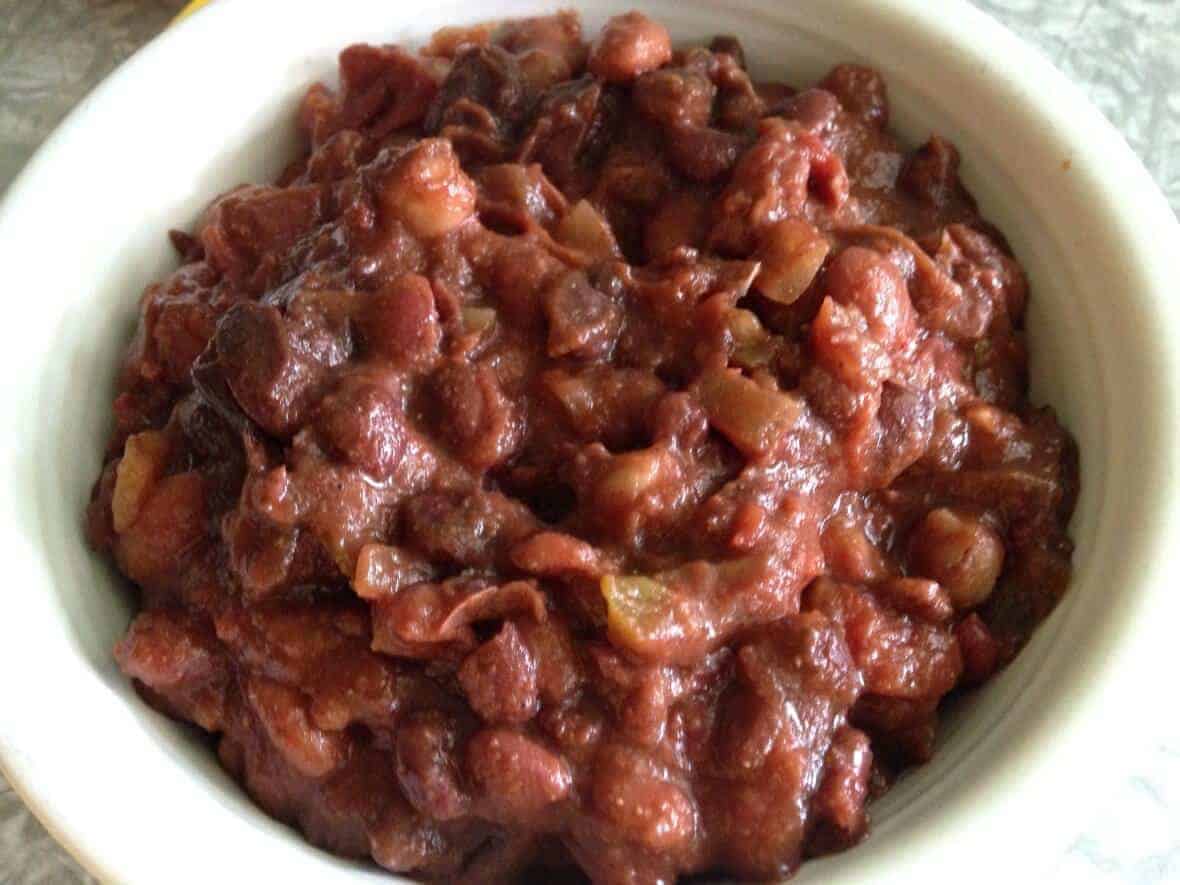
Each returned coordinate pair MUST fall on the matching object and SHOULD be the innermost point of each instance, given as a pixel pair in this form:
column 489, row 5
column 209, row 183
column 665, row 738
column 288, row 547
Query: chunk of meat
column 473, row 530
column 484, row 83
column 629, row 45
column 271, row 382
column 568, row 130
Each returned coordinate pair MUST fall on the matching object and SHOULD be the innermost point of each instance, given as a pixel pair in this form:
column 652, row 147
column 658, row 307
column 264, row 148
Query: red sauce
column 583, row 456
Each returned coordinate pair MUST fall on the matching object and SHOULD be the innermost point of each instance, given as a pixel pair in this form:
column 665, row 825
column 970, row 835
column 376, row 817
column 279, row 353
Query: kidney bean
column 960, row 552
column 427, row 766
column 500, row 679
column 516, row 778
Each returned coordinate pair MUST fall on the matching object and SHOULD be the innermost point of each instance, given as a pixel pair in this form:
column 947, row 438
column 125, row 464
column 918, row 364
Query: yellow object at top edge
column 192, row 7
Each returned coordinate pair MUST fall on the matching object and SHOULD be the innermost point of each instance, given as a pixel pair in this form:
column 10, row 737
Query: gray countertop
column 1125, row 53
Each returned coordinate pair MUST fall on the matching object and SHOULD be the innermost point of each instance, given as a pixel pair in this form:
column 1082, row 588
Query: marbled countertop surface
column 1125, row 53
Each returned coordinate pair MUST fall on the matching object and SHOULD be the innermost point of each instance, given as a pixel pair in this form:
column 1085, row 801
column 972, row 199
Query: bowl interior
column 179, row 126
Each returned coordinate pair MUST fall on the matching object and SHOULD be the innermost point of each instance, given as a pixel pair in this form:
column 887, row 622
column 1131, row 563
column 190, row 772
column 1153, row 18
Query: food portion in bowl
column 583, row 457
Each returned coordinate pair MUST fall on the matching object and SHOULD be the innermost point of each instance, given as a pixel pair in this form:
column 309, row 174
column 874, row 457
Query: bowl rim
column 953, row 22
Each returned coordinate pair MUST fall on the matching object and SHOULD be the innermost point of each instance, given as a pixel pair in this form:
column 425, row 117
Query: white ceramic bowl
column 210, row 103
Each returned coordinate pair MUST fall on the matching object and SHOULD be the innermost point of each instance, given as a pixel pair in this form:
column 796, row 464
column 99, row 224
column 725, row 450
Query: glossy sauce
column 584, row 457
